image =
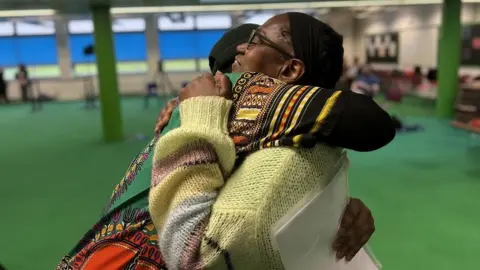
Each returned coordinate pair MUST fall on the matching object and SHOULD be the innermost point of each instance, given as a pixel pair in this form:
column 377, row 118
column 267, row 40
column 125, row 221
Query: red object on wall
column 475, row 123
column 476, row 43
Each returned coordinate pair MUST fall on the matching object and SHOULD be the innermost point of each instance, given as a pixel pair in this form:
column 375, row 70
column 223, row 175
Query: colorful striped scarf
column 270, row 113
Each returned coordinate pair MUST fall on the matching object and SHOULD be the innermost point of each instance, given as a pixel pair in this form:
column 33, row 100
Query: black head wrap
column 319, row 47
column 224, row 51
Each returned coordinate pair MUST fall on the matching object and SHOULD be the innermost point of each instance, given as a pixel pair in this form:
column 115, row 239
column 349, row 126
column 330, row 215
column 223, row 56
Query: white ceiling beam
column 237, row 7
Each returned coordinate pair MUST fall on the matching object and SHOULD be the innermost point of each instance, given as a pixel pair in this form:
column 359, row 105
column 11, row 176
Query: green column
column 448, row 57
column 107, row 74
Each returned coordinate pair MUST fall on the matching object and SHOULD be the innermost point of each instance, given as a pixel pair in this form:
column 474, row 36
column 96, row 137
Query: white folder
column 304, row 236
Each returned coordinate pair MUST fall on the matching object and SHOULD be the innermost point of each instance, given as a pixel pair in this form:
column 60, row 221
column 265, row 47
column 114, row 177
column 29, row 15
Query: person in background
column 164, row 84
column 344, row 82
column 24, row 81
column 352, row 72
column 160, row 86
column 417, row 77
column 366, row 83
column 395, row 89
column 3, row 88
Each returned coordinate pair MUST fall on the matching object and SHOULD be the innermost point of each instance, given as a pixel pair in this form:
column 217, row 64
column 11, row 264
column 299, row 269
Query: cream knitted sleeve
column 190, row 165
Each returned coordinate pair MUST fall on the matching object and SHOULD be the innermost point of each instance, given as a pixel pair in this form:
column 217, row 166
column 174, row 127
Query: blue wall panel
column 37, row 50
column 77, row 44
column 8, row 55
column 128, row 47
column 177, row 45
column 206, row 39
column 28, row 50
column 187, row 44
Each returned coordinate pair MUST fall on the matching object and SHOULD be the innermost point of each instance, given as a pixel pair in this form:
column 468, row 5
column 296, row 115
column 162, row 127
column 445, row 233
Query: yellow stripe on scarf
column 325, row 111
column 247, row 114
column 321, row 117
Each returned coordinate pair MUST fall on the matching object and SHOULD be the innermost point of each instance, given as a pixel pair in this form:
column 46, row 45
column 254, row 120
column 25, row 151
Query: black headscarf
column 224, row 51
column 319, row 47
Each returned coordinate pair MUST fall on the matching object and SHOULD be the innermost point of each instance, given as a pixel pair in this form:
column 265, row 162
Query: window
column 80, row 27
column 175, row 22
column 77, row 45
column 129, row 39
column 185, row 40
column 7, row 28
column 130, row 47
column 9, row 56
column 213, row 21
column 188, row 44
column 258, row 17
column 35, row 27
column 128, row 25
column 36, row 50
column 34, row 45
column 7, row 44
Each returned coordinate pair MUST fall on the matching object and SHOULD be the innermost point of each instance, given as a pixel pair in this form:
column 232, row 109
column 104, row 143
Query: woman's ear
column 292, row 71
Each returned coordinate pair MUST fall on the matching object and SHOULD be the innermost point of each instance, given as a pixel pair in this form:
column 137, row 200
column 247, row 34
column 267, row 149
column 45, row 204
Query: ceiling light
column 27, row 13
column 273, row 6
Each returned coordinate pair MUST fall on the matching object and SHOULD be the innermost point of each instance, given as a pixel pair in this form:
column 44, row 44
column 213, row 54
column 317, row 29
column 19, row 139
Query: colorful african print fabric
column 125, row 237
column 269, row 113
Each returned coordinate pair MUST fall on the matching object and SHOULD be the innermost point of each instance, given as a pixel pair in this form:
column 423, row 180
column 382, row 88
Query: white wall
column 74, row 88
column 342, row 21
column 418, row 28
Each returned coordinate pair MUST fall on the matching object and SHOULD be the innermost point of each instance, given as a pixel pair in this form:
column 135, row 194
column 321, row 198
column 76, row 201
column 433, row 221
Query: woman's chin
column 236, row 67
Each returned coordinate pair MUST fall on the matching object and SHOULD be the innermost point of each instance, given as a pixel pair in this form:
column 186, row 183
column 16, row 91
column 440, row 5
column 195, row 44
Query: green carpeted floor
column 56, row 175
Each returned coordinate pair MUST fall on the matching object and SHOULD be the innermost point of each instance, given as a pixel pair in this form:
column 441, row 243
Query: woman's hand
column 207, row 85
column 356, row 227
column 165, row 114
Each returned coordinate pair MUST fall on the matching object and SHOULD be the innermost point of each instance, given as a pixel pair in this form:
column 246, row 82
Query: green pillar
column 107, row 74
column 448, row 57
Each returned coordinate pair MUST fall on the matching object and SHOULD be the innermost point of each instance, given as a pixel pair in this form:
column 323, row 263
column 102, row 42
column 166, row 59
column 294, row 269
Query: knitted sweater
column 200, row 228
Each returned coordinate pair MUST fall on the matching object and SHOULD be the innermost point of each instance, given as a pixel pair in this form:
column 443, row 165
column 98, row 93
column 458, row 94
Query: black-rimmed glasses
column 269, row 43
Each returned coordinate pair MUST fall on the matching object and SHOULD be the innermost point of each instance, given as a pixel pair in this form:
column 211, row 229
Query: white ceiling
column 82, row 6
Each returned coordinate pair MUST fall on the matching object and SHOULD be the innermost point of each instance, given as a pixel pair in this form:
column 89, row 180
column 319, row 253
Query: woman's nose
column 242, row 48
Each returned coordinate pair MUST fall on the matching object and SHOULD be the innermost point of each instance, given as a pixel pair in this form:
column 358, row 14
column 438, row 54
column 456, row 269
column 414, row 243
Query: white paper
column 304, row 236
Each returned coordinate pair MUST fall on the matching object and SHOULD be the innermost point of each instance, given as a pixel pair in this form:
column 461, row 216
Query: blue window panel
column 77, row 44
column 205, row 41
column 9, row 54
column 177, row 45
column 187, row 44
column 130, row 46
column 37, row 50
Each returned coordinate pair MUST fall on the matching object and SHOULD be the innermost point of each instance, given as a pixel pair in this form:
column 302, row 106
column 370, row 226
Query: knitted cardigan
column 201, row 228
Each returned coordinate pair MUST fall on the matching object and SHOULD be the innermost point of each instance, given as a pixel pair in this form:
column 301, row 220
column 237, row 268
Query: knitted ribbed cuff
column 205, row 112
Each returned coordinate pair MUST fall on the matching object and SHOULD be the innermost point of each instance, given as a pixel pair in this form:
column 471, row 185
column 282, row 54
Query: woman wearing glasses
column 126, row 227
column 199, row 226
